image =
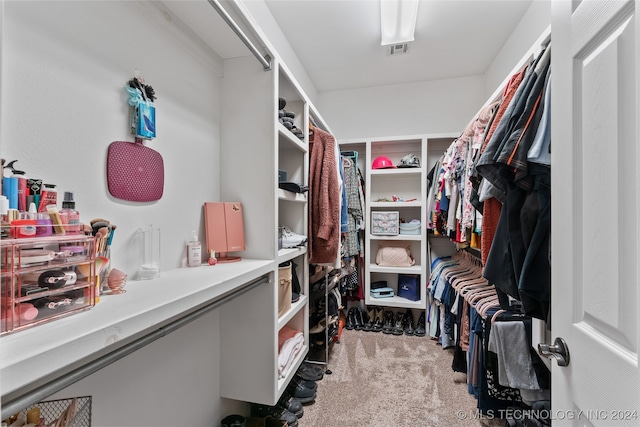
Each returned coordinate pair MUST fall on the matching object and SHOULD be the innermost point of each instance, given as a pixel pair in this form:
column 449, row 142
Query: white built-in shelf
column 290, row 253
column 295, row 309
column 399, row 237
column 396, row 171
column 395, row 205
column 394, row 301
column 292, row 197
column 414, row 269
column 31, row 354
column 292, row 140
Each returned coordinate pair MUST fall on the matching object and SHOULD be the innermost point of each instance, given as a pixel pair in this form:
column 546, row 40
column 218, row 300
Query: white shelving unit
column 253, row 153
column 410, row 187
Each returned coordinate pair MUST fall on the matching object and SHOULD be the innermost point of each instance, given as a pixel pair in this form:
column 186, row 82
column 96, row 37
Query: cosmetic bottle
column 10, row 189
column 69, row 215
column 48, row 196
column 19, row 181
column 194, row 251
column 4, row 208
column 43, row 224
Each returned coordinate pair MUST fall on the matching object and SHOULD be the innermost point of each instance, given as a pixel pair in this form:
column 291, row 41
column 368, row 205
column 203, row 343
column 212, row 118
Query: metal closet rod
column 38, row 394
column 265, row 60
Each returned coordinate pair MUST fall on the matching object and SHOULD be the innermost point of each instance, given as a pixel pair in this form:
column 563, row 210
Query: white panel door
column 595, row 212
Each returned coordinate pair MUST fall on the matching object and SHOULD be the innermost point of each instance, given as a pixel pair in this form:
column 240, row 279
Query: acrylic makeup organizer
column 44, row 279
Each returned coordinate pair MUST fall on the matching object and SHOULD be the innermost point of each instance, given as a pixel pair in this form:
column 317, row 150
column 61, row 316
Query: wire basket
column 53, row 412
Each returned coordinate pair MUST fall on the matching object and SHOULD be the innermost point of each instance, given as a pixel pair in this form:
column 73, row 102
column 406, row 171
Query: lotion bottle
column 194, row 251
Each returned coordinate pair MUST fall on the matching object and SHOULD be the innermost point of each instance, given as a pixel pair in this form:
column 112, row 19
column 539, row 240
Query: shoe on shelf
column 291, row 404
column 317, row 273
column 262, row 411
column 398, row 326
column 379, row 319
column 291, row 239
column 322, row 324
column 421, row 329
column 407, row 322
column 387, row 326
column 319, row 327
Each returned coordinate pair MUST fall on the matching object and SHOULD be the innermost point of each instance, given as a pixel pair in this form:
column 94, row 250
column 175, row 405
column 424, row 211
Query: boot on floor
column 398, row 324
column 421, row 329
column 387, row 327
column 379, row 319
column 407, row 322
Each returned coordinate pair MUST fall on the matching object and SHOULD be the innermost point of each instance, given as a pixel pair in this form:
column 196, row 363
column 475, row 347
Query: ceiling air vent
column 398, row 49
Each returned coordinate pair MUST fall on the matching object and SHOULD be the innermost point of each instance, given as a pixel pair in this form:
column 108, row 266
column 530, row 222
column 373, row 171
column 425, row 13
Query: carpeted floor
column 381, row 380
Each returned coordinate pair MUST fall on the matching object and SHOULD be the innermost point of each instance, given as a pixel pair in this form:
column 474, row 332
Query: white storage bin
column 385, row 223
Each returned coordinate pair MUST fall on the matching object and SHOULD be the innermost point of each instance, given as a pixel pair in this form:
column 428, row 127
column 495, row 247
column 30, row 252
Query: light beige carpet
column 385, row 380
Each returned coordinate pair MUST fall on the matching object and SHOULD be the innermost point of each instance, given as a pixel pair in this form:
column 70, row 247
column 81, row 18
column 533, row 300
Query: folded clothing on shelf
column 294, row 187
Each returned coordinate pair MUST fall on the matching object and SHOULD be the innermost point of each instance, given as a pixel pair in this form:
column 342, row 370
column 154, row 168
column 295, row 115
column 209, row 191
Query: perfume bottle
column 69, row 215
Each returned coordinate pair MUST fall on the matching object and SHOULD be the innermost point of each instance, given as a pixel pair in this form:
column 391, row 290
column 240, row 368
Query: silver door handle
column 558, row 350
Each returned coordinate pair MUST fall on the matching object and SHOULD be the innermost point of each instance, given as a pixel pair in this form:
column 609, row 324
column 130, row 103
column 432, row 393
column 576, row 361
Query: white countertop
column 28, row 355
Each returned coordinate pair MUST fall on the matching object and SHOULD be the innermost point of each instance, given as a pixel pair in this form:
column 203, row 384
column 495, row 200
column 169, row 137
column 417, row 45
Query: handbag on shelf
column 394, row 255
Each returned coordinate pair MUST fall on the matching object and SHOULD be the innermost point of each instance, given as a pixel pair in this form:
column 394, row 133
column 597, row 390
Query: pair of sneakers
column 289, row 239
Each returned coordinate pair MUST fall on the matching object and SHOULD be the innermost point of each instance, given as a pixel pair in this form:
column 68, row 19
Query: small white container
column 194, row 251
column 410, row 228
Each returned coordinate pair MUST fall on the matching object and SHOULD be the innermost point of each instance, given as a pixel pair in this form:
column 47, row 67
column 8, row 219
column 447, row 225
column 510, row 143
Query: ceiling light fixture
column 398, row 21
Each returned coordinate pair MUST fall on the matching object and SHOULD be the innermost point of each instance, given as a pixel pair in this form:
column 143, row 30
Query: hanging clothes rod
column 265, row 60
column 42, row 392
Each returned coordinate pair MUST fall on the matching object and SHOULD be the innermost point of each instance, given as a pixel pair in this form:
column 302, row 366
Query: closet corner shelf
column 295, row 308
column 414, row 204
column 288, row 254
column 292, row 197
column 148, row 305
column 291, row 140
column 415, row 269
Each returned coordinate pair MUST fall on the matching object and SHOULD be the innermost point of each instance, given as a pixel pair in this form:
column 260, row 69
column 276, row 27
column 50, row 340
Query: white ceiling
column 338, row 42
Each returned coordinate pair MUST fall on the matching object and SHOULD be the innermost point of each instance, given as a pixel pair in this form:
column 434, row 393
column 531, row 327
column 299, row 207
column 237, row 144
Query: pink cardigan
column 324, row 199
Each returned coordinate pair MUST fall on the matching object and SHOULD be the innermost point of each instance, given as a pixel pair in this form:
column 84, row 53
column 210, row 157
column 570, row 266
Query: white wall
column 414, row 108
column 532, row 24
column 64, row 68
column 65, row 65
column 259, row 13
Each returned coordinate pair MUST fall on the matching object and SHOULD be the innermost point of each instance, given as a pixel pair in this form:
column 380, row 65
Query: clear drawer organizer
column 46, row 278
